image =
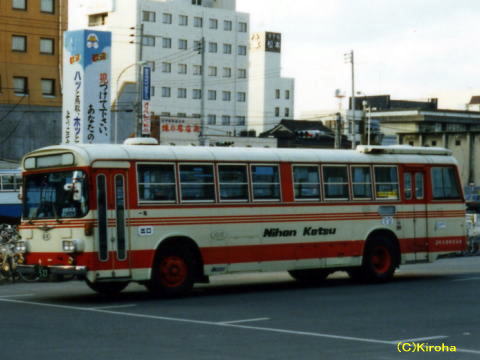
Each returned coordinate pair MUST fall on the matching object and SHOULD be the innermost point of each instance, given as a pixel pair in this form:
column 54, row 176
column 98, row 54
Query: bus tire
column 311, row 276
column 110, row 288
column 173, row 272
column 380, row 259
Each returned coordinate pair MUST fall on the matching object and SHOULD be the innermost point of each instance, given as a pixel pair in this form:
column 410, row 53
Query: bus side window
column 266, row 182
column 361, row 182
column 386, row 182
column 233, row 182
column 197, row 182
column 306, row 182
column 335, row 182
column 156, row 182
column 407, row 181
column 445, row 184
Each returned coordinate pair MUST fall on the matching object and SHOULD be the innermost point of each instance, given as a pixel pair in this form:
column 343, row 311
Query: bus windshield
column 55, row 195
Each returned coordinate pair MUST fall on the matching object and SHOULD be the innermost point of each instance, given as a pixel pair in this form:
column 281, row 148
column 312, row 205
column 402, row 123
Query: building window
column 242, row 50
column 182, row 44
column 197, row 46
column 212, row 47
column 287, row 112
column 242, row 27
column 166, row 92
column 166, row 67
column 225, row 120
column 197, row 94
column 287, row 94
column 47, row 6
column 212, row 119
column 434, row 143
column 148, row 40
column 167, row 18
column 197, row 70
column 212, row 71
column 148, row 16
column 226, row 95
column 241, row 96
column 227, row 48
column 19, row 4
column 198, row 22
column 212, row 95
column 242, row 73
column 196, row 2
column 182, row 68
column 213, row 23
column 277, row 112
column 227, row 72
column 20, row 85
column 458, row 142
column 277, row 94
column 97, row 19
column 227, row 25
column 182, row 115
column 152, row 91
column 182, row 93
column 166, row 43
column 182, row 20
column 19, row 43
column 48, row 87
column 46, row 46
column 240, row 120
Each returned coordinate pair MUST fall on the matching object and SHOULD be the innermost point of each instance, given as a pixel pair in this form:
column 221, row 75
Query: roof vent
column 141, row 141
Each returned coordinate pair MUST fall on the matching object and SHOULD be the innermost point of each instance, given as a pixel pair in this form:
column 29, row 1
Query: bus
column 168, row 217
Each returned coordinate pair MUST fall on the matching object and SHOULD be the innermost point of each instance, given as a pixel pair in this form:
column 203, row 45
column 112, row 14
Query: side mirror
column 77, row 191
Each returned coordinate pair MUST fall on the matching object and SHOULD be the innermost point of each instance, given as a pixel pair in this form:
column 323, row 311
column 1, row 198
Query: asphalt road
column 253, row 316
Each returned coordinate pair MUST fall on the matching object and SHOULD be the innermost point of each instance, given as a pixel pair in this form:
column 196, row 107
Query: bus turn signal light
column 88, row 228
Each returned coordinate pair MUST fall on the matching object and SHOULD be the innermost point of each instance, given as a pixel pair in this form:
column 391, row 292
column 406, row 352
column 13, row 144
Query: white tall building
column 271, row 97
column 167, row 36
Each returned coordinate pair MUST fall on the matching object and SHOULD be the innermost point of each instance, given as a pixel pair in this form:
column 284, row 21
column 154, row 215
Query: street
column 252, row 316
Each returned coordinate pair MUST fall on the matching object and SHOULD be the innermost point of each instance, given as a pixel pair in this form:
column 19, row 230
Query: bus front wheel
column 380, row 260
column 172, row 273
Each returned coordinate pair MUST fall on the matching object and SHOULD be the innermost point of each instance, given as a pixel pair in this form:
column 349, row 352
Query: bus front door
column 112, row 235
column 414, row 193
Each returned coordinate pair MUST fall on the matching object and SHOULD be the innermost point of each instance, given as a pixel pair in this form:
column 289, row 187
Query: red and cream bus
column 168, row 217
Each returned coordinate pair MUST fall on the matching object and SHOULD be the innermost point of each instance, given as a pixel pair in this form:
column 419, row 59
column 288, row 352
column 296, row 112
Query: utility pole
column 349, row 58
column 202, row 90
column 338, row 127
column 139, row 86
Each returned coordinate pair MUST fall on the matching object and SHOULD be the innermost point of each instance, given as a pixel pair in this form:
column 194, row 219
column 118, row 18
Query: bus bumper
column 44, row 272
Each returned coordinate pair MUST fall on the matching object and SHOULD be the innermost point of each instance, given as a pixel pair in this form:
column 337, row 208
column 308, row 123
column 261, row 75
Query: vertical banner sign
column 86, row 87
column 146, row 115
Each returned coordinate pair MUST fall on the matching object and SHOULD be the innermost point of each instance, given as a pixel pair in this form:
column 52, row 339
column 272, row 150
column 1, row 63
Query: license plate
column 43, row 272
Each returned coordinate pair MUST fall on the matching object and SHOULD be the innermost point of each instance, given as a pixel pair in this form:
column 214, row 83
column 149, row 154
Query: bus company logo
column 307, row 231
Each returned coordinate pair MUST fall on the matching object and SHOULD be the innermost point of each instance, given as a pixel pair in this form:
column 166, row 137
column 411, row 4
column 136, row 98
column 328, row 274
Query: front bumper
column 43, row 272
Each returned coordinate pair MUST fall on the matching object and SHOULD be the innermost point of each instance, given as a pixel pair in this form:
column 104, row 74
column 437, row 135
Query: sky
column 409, row 49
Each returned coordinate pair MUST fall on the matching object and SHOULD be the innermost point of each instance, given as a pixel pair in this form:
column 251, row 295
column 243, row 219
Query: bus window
column 361, row 182
column 335, row 179
column 156, row 182
column 197, row 182
column 444, row 183
column 407, row 183
column 419, row 192
column 306, row 182
column 266, row 183
column 386, row 182
column 233, row 182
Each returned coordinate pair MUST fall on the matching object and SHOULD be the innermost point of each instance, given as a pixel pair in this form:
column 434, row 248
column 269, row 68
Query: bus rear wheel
column 110, row 288
column 172, row 273
column 312, row 276
column 380, row 260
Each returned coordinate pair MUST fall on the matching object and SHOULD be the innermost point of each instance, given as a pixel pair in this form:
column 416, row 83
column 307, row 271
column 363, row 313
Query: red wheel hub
column 173, row 271
column 381, row 259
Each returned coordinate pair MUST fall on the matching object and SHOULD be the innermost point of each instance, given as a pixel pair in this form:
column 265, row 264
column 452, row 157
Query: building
column 198, row 53
column 421, row 123
column 30, row 74
column 271, row 97
column 304, row 134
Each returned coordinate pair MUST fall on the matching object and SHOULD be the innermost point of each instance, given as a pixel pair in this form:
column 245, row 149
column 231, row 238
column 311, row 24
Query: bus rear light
column 88, row 229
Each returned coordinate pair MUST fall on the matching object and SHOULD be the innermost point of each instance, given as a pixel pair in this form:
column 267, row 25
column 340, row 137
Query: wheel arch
column 385, row 234
column 187, row 244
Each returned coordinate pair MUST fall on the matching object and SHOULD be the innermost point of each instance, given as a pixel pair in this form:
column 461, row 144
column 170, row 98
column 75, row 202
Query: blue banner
column 146, row 83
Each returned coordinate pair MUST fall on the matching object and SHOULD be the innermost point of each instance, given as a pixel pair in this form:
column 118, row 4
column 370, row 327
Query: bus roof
column 87, row 154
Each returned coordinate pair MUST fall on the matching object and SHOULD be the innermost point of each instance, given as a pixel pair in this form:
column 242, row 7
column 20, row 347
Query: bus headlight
column 73, row 246
column 21, row 247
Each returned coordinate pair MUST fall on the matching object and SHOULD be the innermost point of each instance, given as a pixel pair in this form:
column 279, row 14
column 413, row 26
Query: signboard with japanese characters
column 86, row 84
column 146, row 112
